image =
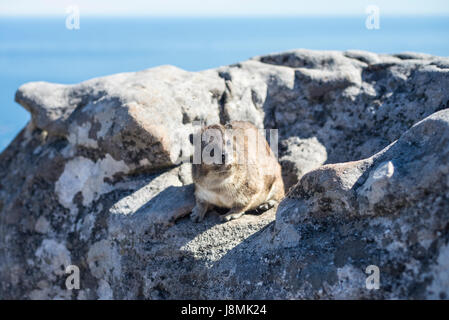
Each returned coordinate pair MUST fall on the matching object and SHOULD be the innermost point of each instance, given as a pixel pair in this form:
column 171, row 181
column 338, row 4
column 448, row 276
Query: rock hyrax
column 235, row 169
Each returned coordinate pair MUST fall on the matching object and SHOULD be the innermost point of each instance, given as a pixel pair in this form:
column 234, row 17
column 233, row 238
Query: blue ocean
column 35, row 49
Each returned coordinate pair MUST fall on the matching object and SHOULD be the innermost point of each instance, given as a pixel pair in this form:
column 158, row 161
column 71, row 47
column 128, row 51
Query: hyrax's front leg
column 267, row 205
column 234, row 213
column 199, row 211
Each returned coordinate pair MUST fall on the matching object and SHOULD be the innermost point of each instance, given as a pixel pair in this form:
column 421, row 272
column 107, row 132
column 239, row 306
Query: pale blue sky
column 223, row 7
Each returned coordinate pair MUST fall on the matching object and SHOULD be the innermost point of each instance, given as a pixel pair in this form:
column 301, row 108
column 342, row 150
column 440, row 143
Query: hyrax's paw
column 266, row 206
column 196, row 215
column 231, row 216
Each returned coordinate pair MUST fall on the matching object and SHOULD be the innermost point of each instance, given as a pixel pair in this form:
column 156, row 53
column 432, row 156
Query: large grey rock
column 300, row 156
column 95, row 180
column 140, row 118
column 390, row 210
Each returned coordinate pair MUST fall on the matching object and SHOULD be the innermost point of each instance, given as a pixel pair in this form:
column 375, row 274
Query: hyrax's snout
column 225, row 177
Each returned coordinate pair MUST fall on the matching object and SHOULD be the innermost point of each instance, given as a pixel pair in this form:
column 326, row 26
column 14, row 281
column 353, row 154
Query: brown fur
column 252, row 180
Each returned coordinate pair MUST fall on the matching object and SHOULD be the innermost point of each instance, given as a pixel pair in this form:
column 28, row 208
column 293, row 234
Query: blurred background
column 71, row 41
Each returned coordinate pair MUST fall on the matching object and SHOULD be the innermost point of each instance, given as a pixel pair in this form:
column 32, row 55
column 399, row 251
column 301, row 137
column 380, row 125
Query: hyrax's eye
column 212, row 153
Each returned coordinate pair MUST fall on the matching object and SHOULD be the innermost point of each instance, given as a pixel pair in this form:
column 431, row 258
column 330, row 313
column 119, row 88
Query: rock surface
column 96, row 180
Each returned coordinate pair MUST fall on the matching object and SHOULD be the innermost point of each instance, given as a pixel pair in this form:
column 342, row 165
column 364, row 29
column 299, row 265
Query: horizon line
column 303, row 15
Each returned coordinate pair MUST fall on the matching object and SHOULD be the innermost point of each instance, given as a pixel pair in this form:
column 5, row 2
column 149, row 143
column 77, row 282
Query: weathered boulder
column 140, row 118
column 390, row 210
column 96, row 180
column 300, row 156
